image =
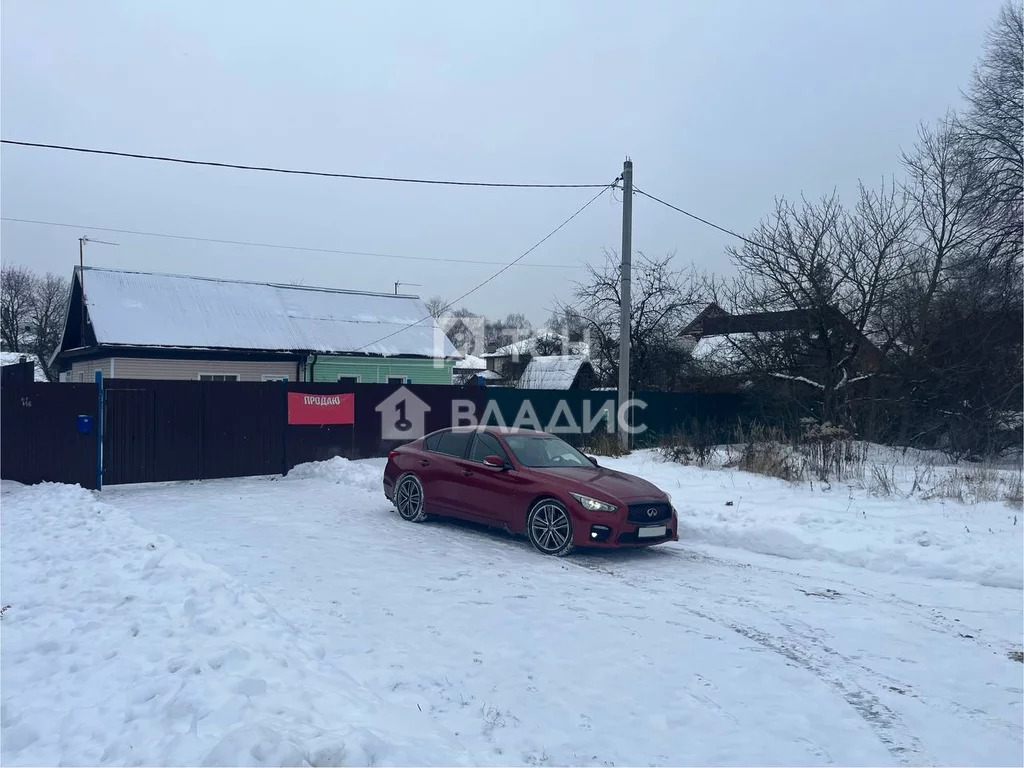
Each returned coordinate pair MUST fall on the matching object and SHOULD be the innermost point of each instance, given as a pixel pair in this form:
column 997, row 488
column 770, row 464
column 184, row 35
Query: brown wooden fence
column 48, row 432
column 154, row 431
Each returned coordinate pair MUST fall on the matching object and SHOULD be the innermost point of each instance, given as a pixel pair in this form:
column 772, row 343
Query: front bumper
column 606, row 530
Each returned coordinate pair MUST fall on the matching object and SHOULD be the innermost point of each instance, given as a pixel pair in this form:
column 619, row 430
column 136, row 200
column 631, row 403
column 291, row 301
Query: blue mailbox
column 84, row 424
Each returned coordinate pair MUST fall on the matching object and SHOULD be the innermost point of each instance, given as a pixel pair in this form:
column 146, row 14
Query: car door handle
column 424, row 463
column 467, row 472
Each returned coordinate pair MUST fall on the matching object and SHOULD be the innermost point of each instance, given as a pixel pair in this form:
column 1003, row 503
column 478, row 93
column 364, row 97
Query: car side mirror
column 494, row 461
column 593, row 460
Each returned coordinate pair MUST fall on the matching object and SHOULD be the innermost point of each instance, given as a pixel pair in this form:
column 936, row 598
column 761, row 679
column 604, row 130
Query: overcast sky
column 721, row 106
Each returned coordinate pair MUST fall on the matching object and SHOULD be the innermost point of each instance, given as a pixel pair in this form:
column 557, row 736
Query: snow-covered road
column 678, row 654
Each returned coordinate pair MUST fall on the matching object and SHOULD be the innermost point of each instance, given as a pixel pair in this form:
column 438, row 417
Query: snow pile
column 980, row 543
column 120, row 647
column 341, row 471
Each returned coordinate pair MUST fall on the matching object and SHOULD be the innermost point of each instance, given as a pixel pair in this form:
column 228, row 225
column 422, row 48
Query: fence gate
column 152, row 431
column 128, row 436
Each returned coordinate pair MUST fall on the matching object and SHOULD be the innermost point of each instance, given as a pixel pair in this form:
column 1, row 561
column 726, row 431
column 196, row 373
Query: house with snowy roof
column 722, row 344
column 558, row 372
column 140, row 325
column 510, row 360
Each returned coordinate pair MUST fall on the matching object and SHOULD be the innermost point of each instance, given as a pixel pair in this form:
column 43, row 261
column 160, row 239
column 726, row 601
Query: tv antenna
column 399, row 282
column 81, row 272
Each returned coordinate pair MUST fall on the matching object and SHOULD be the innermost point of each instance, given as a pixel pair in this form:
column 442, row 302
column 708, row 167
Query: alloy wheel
column 550, row 528
column 409, row 499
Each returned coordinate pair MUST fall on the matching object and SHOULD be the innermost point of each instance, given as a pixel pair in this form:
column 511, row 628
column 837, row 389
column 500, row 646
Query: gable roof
column 552, row 371
column 144, row 309
column 471, row 363
column 528, row 345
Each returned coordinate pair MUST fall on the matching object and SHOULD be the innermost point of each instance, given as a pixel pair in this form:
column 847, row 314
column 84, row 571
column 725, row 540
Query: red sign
column 306, row 408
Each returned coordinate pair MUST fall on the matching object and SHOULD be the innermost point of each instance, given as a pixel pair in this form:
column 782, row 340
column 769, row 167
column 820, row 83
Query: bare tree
column 567, row 322
column 943, row 182
column 436, row 306
column 46, row 317
column 17, row 285
column 662, row 300
column 833, row 272
column 512, row 328
column 992, row 130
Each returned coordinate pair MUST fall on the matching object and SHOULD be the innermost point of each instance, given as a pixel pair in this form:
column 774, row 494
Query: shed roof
column 159, row 310
column 551, row 372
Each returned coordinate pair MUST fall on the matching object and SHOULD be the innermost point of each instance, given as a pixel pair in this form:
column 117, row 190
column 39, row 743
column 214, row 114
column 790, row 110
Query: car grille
column 641, row 513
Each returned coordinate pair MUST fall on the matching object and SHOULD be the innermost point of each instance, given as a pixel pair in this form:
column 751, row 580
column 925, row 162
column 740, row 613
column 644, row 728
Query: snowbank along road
column 300, row 620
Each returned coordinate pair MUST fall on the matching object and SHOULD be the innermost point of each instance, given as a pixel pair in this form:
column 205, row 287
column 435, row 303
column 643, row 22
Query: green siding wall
column 375, row 370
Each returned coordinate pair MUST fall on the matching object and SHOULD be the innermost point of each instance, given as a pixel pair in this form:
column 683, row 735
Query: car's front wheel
column 409, row 499
column 550, row 528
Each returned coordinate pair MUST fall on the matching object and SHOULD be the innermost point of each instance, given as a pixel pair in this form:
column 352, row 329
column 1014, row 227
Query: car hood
column 602, row 483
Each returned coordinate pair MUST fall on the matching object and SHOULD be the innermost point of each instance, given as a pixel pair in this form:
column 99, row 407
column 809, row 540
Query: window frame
column 437, row 439
column 274, row 377
column 500, row 452
column 235, row 380
column 349, row 378
column 465, row 448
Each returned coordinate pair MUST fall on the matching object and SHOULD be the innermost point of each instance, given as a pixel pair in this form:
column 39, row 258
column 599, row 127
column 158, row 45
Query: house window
column 273, row 377
column 397, row 380
column 218, row 377
column 346, row 378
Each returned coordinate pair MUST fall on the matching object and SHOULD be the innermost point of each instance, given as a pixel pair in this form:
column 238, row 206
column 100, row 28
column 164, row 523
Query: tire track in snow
column 832, row 668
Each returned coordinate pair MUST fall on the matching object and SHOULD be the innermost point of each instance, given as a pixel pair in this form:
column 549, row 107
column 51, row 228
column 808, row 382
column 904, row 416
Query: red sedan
column 527, row 482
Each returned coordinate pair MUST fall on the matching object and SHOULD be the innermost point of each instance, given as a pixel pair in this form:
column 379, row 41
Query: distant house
column 723, row 344
column 558, row 372
column 14, row 358
column 509, row 361
column 142, row 325
column 470, row 369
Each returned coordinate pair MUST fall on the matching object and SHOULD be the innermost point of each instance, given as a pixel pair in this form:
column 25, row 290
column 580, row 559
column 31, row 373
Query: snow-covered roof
column 551, row 372
column 528, row 346
column 12, row 358
column 158, row 310
column 720, row 351
column 465, row 376
column 471, row 362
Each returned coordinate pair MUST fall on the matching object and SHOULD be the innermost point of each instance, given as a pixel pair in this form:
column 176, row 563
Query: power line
column 701, row 220
column 512, row 263
column 277, row 245
column 237, row 166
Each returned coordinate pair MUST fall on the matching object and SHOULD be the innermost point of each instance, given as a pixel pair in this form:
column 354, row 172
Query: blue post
column 99, row 430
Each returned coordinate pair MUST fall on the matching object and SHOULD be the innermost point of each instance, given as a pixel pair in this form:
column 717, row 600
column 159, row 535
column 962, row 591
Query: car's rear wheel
column 409, row 499
column 550, row 528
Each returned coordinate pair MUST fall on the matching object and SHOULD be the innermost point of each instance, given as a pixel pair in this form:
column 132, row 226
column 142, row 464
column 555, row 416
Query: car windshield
column 545, row 452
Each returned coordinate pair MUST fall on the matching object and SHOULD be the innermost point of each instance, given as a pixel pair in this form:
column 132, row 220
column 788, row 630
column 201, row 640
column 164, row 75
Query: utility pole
column 625, row 301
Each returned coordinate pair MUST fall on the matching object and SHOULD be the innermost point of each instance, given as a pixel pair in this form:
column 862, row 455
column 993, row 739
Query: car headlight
column 594, row 505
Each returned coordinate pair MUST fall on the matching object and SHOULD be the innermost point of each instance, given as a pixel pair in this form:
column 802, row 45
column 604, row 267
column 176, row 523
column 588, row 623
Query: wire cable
column 701, row 220
column 237, row 166
column 512, row 263
column 280, row 246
